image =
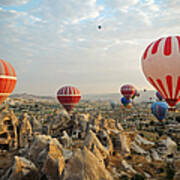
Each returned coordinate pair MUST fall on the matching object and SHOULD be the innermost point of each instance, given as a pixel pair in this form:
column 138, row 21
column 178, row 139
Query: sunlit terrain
column 39, row 138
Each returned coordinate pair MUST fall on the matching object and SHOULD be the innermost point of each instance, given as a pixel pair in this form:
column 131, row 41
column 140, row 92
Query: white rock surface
column 67, row 154
column 128, row 167
column 140, row 140
column 170, row 145
column 148, row 158
column 147, row 175
column 137, row 148
column 155, row 155
column 66, row 140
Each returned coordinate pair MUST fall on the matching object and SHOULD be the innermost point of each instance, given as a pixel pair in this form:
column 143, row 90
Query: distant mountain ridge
column 116, row 97
column 144, row 96
column 31, row 96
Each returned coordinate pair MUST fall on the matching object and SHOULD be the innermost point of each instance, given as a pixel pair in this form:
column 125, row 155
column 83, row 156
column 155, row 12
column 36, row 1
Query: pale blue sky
column 57, row 42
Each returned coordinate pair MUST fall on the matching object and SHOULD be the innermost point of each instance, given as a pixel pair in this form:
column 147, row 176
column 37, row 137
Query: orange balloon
column 7, row 80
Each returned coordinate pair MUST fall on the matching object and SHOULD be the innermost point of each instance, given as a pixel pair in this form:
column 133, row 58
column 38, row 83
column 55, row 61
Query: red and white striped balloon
column 161, row 66
column 69, row 96
column 7, row 80
column 128, row 91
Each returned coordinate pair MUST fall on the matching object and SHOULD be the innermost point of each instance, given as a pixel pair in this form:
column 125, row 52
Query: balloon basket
column 172, row 109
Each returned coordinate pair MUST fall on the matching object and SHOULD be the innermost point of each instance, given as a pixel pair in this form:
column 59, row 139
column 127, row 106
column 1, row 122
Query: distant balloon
column 69, row 96
column 122, row 106
column 136, row 94
column 129, row 106
column 158, row 95
column 159, row 110
column 133, row 96
column 125, row 101
column 99, row 27
column 128, row 91
column 7, row 80
column 112, row 104
column 161, row 67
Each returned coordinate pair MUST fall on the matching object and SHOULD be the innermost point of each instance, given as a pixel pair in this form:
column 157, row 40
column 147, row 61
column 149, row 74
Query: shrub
column 160, row 170
column 137, row 177
column 124, row 177
column 178, row 148
column 160, row 133
column 170, row 172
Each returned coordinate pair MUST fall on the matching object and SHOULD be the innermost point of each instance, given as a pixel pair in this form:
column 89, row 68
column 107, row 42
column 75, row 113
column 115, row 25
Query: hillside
column 144, row 96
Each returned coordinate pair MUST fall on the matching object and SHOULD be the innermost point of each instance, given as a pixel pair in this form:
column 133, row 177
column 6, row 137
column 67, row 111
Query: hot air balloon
column 129, row 106
column 7, row 80
column 158, row 95
column 99, row 26
column 128, row 91
column 68, row 96
column 161, row 66
column 112, row 104
column 159, row 110
column 136, row 94
column 125, row 101
column 122, row 106
column 133, row 96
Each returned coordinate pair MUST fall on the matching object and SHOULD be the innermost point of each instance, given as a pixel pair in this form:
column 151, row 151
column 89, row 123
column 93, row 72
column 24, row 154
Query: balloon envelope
column 136, row 94
column 112, row 104
column 125, row 101
column 161, row 66
column 68, row 96
column 158, row 95
column 7, row 80
column 128, row 91
column 129, row 106
column 159, row 110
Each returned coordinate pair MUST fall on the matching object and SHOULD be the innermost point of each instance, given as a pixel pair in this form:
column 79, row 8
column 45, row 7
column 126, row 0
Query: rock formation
column 85, row 165
column 52, row 145
column 25, row 131
column 22, row 169
column 8, row 130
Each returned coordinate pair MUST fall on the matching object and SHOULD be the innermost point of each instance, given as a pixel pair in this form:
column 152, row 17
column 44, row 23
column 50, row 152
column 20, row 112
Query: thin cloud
column 14, row 2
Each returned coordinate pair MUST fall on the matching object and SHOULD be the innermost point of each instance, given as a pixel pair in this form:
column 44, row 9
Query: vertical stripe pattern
column 68, row 96
column 155, row 47
column 161, row 66
column 7, row 80
column 128, row 91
